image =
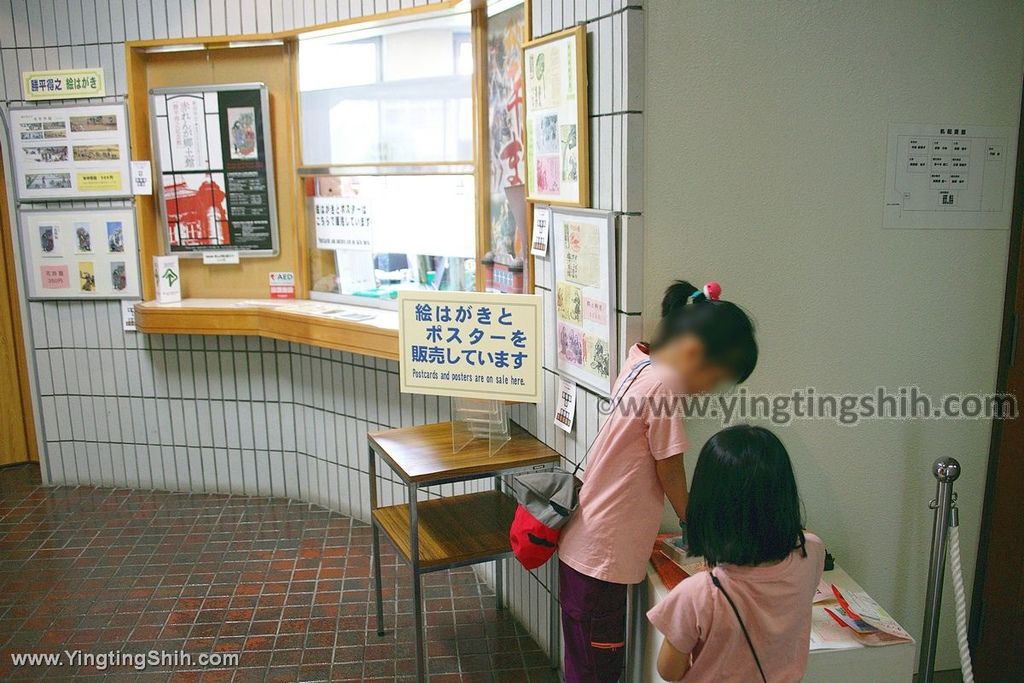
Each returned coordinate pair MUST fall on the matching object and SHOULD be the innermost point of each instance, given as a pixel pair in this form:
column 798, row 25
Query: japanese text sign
column 470, row 345
column 343, row 223
column 63, row 84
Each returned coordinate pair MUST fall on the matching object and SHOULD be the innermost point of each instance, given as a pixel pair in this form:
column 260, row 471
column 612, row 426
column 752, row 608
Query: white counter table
column 888, row 664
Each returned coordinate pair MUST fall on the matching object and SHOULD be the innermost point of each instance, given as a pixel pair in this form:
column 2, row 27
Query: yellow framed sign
column 557, row 126
column 62, row 84
column 470, row 345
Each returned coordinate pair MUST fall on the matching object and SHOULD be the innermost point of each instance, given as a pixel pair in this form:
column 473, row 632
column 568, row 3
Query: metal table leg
column 499, row 566
column 376, row 544
column 417, row 590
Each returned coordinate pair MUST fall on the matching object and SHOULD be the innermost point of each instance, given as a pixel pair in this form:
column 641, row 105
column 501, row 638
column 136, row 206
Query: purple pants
column 593, row 626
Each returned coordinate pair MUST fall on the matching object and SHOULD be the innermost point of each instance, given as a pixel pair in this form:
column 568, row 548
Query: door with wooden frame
column 17, row 434
column 997, row 608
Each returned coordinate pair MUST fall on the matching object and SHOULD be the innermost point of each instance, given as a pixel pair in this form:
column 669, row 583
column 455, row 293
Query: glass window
column 387, row 143
column 399, row 97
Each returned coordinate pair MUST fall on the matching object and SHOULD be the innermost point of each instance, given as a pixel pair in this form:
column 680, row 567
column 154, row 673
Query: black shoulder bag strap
column 743, row 627
column 616, row 399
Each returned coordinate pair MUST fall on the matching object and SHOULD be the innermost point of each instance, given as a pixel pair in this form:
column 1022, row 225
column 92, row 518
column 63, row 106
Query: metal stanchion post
column 946, row 471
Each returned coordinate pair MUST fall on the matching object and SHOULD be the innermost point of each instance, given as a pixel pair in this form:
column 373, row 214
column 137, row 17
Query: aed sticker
column 282, row 285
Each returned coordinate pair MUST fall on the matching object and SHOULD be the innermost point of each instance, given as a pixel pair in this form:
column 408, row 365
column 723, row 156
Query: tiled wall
column 256, row 416
column 216, row 414
column 615, row 30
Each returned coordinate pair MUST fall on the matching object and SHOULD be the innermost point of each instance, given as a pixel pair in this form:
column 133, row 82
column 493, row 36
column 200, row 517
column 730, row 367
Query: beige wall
column 766, row 128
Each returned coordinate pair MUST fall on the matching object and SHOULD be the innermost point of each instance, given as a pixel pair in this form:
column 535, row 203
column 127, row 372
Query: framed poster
column 583, row 257
column 70, row 152
column 557, row 137
column 80, row 253
column 215, row 169
column 506, row 32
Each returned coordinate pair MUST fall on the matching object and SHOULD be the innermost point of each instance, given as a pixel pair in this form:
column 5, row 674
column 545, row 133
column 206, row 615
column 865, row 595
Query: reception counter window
column 382, row 133
column 387, row 151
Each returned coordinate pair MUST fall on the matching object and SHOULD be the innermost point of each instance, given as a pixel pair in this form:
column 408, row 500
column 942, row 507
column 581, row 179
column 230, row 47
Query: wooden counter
column 317, row 323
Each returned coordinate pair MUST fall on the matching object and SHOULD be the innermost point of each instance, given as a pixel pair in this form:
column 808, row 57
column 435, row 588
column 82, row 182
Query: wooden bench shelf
column 304, row 322
column 453, row 530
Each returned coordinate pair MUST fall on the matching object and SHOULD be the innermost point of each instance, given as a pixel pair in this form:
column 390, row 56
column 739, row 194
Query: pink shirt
column 775, row 603
column 612, row 533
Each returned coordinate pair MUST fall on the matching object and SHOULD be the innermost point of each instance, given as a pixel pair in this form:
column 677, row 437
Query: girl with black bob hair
column 744, row 508
column 748, row 617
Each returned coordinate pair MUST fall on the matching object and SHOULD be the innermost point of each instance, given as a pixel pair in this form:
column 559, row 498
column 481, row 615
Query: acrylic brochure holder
column 474, row 419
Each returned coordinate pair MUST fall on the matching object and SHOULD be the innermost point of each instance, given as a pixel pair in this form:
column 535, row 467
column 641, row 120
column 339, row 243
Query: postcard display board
column 80, row 253
column 215, row 169
column 557, row 140
column 69, row 153
column 583, row 254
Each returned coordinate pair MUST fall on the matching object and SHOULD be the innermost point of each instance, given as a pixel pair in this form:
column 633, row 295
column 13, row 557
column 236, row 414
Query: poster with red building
column 215, row 169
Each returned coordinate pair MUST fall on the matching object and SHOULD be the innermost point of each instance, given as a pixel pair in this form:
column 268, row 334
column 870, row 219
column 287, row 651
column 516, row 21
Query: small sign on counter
column 167, row 276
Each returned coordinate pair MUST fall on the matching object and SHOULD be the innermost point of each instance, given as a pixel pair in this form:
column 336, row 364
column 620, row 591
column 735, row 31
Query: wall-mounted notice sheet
column 215, row 168
column 949, row 176
column 76, row 152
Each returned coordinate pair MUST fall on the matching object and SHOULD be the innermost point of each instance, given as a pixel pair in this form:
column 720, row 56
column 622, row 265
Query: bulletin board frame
column 584, row 296
column 572, row 109
column 264, row 146
column 69, row 258
column 23, row 167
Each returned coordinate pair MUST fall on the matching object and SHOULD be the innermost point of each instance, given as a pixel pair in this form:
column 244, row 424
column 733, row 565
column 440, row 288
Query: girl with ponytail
column 701, row 343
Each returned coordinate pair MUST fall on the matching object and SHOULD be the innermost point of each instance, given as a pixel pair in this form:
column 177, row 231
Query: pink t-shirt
column 612, row 533
column 775, row 604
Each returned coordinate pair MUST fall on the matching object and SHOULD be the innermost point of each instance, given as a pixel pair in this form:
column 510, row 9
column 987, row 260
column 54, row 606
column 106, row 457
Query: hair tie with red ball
column 710, row 292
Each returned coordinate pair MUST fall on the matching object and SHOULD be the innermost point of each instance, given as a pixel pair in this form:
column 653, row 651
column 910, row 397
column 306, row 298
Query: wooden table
column 447, row 532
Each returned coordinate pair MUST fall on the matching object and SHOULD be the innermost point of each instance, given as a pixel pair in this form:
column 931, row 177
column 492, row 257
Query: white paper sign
column 128, row 316
column 949, row 176
column 541, row 222
column 565, row 406
column 142, row 177
column 167, row 277
column 220, row 258
column 343, row 223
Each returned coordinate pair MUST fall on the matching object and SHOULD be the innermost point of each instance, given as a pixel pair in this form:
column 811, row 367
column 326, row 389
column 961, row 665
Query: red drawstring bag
column 548, row 499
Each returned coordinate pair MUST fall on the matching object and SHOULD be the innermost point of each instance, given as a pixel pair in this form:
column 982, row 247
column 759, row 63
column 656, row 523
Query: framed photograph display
column 509, row 235
column 215, row 169
column 557, row 138
column 80, row 253
column 70, row 152
column 582, row 245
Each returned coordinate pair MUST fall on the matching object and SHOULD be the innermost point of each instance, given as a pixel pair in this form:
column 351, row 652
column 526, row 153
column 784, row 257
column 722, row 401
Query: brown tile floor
column 284, row 585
